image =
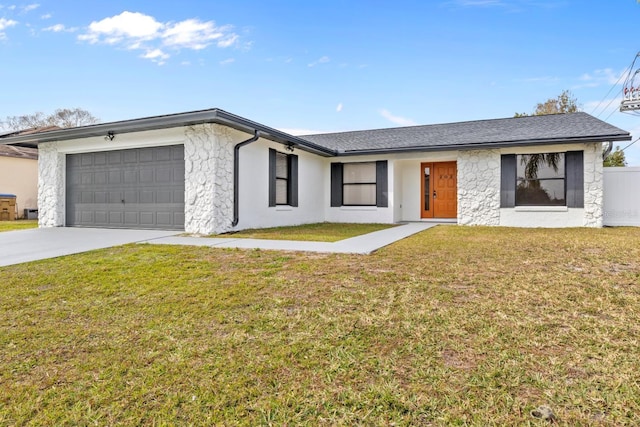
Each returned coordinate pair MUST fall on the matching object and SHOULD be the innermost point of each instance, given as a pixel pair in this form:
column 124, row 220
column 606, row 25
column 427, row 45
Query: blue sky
column 309, row 66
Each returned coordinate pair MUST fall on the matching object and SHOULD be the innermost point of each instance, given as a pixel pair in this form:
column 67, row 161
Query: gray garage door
column 136, row 188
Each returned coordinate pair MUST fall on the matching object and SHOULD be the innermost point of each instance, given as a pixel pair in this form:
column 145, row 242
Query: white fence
column 622, row 196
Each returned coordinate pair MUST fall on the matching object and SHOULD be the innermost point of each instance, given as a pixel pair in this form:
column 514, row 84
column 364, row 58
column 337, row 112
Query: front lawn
column 452, row 326
column 21, row 224
column 319, row 232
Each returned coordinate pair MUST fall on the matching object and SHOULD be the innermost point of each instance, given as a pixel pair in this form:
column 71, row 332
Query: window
column 549, row 179
column 359, row 184
column 540, row 180
column 283, row 179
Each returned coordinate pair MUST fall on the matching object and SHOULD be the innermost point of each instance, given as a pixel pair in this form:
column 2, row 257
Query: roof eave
column 163, row 122
column 484, row 145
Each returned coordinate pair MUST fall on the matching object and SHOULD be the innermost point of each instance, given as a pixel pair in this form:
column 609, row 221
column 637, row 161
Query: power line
column 633, row 142
column 627, row 70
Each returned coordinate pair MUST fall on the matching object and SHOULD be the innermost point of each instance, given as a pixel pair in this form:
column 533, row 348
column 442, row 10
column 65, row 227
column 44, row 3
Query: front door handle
column 434, row 194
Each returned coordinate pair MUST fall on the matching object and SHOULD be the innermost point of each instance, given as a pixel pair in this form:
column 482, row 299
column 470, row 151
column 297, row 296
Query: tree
column 563, row 103
column 616, row 159
column 62, row 117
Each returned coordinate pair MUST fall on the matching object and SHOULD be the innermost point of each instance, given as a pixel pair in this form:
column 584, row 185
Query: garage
column 134, row 188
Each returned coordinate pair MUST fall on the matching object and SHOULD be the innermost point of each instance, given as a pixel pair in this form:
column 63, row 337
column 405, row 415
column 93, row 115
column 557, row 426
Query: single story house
column 211, row 171
column 19, row 176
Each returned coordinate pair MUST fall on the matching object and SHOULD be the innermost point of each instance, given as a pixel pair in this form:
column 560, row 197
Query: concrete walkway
column 41, row 243
column 364, row 244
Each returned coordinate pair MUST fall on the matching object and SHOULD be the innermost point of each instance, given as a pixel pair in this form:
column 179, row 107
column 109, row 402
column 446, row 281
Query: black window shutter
column 336, row 185
column 272, row 177
column 382, row 184
column 574, row 168
column 508, row 181
column 293, row 180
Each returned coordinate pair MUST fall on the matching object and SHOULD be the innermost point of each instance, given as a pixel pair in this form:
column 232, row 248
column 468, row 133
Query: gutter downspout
column 236, row 175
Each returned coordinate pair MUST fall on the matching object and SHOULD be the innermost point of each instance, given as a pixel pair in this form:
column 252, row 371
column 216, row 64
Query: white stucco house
column 211, row 171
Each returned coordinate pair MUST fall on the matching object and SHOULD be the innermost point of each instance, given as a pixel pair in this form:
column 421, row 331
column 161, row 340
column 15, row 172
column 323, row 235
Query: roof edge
column 214, row 115
column 502, row 144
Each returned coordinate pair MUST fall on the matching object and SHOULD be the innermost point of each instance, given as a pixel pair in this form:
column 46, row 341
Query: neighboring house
column 211, row 171
column 19, row 176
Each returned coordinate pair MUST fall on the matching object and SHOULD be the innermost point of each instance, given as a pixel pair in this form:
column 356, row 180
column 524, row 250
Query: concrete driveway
column 41, row 243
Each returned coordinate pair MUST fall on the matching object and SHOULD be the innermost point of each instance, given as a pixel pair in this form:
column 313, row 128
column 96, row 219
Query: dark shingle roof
column 550, row 129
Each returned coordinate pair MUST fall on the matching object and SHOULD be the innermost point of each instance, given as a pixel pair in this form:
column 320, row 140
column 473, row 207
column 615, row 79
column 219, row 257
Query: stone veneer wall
column 479, row 187
column 208, row 151
column 593, row 185
column 51, row 185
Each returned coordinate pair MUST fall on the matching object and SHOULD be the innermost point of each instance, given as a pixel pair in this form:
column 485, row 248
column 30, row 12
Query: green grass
column 18, row 225
column 319, row 232
column 453, row 326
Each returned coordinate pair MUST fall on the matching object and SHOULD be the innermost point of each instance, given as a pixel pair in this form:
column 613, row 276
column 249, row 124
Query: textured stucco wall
column 208, row 151
column 479, row 187
column 51, row 185
column 593, row 185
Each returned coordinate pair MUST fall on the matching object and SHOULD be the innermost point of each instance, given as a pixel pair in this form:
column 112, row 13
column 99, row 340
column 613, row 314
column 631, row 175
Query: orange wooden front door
column 439, row 190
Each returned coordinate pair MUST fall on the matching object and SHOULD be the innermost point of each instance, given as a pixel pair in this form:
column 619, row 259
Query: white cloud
column 227, row 61
column 339, row 107
column 4, row 24
column 46, row 16
column 322, row 60
column 128, row 28
column 196, row 35
column 59, row 28
column 401, row 121
column 605, row 76
column 156, row 55
column 30, row 7
column 137, row 31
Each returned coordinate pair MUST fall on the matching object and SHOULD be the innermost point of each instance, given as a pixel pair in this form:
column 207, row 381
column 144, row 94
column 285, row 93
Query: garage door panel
column 127, row 188
column 114, row 158
column 147, row 219
column 131, row 218
column 100, row 197
column 146, row 156
column 146, row 176
column 164, row 218
column 131, row 196
column 131, row 177
column 100, row 177
column 163, row 153
column 177, row 152
column 86, row 160
column 164, row 175
column 100, row 217
column 86, row 197
column 147, row 196
column 164, row 196
column 130, row 156
column 86, row 216
column 100, row 159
